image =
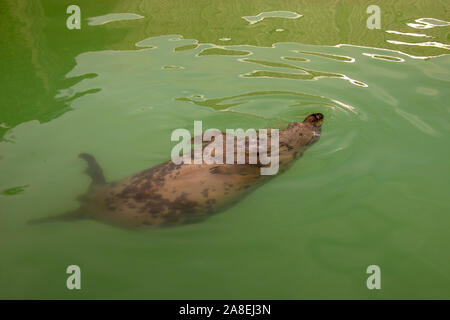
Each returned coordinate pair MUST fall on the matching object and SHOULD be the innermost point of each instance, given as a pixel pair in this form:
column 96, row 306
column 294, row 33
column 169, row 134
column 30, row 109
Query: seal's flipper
column 93, row 169
column 68, row 216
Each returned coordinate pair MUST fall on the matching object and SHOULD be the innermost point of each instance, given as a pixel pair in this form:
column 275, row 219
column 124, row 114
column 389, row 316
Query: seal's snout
column 315, row 119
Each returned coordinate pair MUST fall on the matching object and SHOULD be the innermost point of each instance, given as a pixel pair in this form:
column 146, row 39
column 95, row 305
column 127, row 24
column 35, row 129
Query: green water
column 373, row 190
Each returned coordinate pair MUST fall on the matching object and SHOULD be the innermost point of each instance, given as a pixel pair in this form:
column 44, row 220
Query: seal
column 170, row 194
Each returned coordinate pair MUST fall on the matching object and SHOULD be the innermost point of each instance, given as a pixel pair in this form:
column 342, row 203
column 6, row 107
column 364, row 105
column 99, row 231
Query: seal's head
column 314, row 120
column 305, row 133
column 312, row 127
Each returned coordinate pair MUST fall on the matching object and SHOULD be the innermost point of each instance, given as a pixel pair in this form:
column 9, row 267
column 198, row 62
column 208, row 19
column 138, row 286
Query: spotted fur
column 170, row 194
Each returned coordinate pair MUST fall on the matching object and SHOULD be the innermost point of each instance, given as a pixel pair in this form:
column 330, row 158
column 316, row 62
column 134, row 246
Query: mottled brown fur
column 169, row 194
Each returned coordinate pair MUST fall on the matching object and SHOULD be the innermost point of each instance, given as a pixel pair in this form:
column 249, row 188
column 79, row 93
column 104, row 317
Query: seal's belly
column 169, row 194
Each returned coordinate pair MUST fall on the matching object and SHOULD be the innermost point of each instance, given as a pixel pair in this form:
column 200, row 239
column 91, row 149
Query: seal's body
column 170, row 194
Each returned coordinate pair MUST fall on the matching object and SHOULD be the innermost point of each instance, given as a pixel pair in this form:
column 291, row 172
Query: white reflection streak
column 409, row 34
column 422, row 44
column 423, row 24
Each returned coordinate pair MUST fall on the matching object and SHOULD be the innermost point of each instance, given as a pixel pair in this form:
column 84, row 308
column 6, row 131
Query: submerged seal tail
column 67, row 216
column 94, row 171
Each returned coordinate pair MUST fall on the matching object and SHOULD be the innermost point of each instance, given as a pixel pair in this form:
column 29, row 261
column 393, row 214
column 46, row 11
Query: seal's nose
column 315, row 119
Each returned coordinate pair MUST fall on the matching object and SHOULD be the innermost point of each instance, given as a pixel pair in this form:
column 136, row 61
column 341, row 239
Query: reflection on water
column 408, row 34
column 95, row 21
column 373, row 189
column 422, row 44
column 428, row 23
column 329, row 56
column 222, row 52
column 292, row 99
column 38, row 38
column 305, row 75
column 384, row 57
column 273, row 14
column 13, row 190
column 422, row 23
column 295, row 59
column 186, row 47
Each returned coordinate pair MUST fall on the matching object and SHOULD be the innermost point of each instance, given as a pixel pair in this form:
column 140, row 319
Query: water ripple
column 272, row 14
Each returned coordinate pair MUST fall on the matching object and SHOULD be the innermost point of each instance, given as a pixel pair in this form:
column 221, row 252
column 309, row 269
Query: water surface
column 373, row 190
